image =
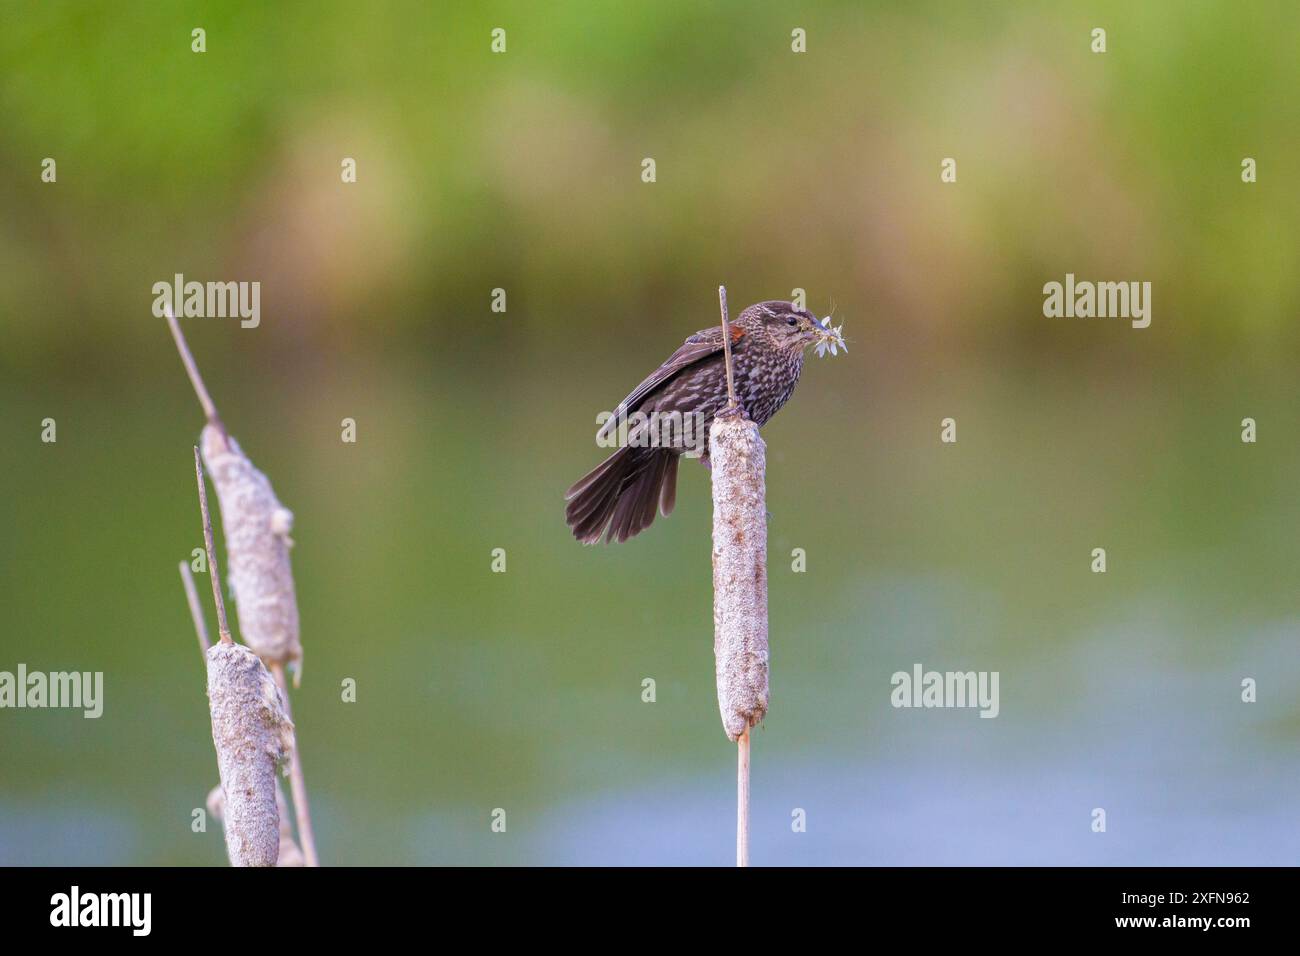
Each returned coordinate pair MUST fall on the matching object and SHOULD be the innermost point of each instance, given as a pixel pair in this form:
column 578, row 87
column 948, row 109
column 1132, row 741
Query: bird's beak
column 812, row 329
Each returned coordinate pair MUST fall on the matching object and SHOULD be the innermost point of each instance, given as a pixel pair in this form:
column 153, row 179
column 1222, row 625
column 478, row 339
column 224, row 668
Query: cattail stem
column 742, row 799
column 738, row 459
column 223, row 629
column 297, row 781
column 196, row 611
column 726, row 346
column 192, row 370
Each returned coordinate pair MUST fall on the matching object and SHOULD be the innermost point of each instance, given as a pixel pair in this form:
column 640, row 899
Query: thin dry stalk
column 742, row 799
column 192, row 370
column 726, row 346
column 196, row 611
column 223, row 629
column 290, row 853
column 738, row 458
column 297, row 782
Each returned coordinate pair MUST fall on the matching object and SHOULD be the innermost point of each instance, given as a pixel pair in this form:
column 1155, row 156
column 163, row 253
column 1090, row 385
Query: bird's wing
column 696, row 348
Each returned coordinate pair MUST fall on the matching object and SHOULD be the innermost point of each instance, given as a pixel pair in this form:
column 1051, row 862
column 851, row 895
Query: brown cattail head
column 737, row 454
column 257, row 530
column 253, row 737
column 290, row 854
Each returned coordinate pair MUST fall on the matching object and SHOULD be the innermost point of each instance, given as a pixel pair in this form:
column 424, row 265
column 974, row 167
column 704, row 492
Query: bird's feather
column 698, row 347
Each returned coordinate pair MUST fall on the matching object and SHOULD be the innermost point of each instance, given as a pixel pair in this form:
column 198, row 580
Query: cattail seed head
column 253, row 737
column 737, row 455
column 257, row 531
column 290, row 854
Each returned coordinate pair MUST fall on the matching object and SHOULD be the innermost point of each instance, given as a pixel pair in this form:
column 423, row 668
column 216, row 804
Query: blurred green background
column 775, row 171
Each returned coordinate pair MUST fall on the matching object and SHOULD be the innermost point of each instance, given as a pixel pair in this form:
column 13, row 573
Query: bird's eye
column 792, row 321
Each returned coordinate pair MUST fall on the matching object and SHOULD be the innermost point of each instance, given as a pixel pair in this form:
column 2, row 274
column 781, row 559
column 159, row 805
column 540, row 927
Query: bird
column 670, row 412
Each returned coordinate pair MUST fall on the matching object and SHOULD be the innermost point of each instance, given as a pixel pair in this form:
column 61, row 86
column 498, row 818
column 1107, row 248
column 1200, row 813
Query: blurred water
column 1187, row 773
column 522, row 690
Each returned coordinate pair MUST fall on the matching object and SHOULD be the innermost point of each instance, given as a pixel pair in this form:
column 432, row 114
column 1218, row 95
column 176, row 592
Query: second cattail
column 253, row 738
column 256, row 528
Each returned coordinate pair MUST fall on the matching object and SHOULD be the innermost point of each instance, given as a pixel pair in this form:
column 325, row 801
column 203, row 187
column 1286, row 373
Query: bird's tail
column 622, row 493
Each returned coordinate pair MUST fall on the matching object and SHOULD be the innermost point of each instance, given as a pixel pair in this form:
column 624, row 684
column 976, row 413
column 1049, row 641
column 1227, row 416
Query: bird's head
column 785, row 326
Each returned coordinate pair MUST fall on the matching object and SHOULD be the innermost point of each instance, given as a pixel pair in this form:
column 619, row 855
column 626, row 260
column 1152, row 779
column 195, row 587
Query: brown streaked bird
column 619, row 497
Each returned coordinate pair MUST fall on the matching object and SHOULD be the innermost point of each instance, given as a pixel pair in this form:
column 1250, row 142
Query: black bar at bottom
column 369, row 904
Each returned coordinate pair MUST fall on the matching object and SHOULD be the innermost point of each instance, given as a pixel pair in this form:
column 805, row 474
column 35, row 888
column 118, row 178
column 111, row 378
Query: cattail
column 290, row 854
column 254, row 738
column 736, row 453
column 737, row 458
column 257, row 531
column 256, row 528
